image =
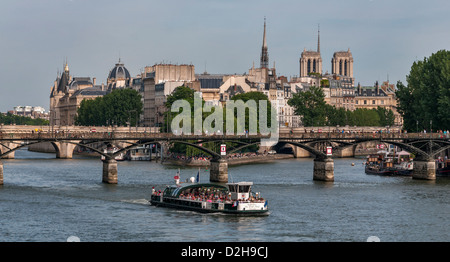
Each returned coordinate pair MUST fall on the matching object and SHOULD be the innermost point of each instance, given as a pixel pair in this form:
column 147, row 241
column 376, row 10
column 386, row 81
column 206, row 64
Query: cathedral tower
column 311, row 61
column 342, row 63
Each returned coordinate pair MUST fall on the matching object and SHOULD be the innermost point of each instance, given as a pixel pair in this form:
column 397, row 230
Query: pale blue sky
column 385, row 37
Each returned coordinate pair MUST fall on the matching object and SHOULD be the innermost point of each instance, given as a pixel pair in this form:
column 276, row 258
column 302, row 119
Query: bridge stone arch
column 303, row 145
column 12, row 147
column 206, row 150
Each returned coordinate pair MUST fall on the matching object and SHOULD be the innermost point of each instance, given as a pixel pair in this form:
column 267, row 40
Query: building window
column 373, row 102
column 365, row 102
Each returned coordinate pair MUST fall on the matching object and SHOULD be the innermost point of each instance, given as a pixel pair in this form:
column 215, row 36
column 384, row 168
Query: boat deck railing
column 201, row 199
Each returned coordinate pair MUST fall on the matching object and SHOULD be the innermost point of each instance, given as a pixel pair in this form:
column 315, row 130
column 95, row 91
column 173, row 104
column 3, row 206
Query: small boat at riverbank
column 384, row 165
column 443, row 168
column 113, row 150
column 234, row 198
column 141, row 153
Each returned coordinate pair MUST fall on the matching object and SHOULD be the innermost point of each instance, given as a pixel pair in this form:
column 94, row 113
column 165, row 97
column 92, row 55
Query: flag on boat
column 235, row 204
column 177, row 176
column 265, row 204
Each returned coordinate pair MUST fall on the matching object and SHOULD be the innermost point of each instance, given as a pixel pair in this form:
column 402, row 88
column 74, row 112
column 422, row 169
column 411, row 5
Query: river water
column 47, row 199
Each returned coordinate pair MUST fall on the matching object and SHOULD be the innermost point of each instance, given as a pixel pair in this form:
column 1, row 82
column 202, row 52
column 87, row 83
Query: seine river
column 51, row 200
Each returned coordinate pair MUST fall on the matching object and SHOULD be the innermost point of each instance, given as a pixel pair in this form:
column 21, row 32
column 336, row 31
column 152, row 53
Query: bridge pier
column 218, row 170
column 109, row 171
column 1, row 172
column 323, row 169
column 424, row 169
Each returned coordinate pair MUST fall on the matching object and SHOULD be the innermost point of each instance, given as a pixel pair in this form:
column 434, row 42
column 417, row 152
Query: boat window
column 232, row 188
column 244, row 188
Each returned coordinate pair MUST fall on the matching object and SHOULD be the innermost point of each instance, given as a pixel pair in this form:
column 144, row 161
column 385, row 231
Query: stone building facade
column 159, row 81
column 68, row 92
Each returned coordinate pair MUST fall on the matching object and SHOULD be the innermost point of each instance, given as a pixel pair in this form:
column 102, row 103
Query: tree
column 10, row 119
column 254, row 96
column 426, row 98
column 311, row 105
column 120, row 107
column 386, row 116
column 179, row 94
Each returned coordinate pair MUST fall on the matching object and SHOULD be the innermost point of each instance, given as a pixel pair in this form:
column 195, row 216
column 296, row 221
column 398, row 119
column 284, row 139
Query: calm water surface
column 48, row 199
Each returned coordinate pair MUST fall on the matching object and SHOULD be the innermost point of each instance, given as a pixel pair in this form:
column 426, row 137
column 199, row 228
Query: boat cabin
column 240, row 190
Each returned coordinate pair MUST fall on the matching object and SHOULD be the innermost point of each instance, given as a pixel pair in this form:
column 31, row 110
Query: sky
column 217, row 36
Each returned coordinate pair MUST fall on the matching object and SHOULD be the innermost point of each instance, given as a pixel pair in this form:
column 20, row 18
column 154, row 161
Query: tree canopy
column 10, row 119
column 425, row 102
column 315, row 111
column 120, row 107
column 311, row 106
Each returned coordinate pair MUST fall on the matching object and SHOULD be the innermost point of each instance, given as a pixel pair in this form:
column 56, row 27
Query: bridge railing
column 363, row 135
column 118, row 135
column 33, row 135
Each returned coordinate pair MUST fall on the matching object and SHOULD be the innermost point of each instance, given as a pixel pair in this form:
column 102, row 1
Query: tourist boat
column 234, row 198
column 140, row 153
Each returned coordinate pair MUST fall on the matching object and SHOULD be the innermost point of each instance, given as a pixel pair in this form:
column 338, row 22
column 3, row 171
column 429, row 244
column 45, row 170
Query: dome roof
column 119, row 72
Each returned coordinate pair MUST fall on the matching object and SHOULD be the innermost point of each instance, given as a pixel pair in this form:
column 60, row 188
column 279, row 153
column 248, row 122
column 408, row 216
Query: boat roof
column 175, row 191
column 193, row 185
column 243, row 183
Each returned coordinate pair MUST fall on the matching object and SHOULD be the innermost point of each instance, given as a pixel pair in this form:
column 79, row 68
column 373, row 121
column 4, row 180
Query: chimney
column 93, row 81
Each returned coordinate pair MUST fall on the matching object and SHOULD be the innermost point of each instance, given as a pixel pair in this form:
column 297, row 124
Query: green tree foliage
column 311, row 105
column 180, row 93
column 186, row 93
column 10, row 119
column 315, row 111
column 427, row 96
column 118, row 107
column 255, row 96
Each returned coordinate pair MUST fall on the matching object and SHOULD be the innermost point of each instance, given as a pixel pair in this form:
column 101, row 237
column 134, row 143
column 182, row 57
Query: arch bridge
column 424, row 147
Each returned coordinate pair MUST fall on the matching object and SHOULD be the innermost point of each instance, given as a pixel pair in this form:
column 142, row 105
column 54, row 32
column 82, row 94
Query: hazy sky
column 221, row 36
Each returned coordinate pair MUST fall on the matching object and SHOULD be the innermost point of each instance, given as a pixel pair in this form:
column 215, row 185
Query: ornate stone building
column 371, row 97
column 118, row 77
column 68, row 91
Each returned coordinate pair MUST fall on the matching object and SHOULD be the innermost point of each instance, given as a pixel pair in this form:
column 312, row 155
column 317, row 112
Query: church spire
column 318, row 39
column 66, row 67
column 264, row 53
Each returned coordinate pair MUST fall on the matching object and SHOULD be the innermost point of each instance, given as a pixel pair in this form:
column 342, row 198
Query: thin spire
column 264, row 36
column 264, row 53
column 66, row 67
column 318, row 39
